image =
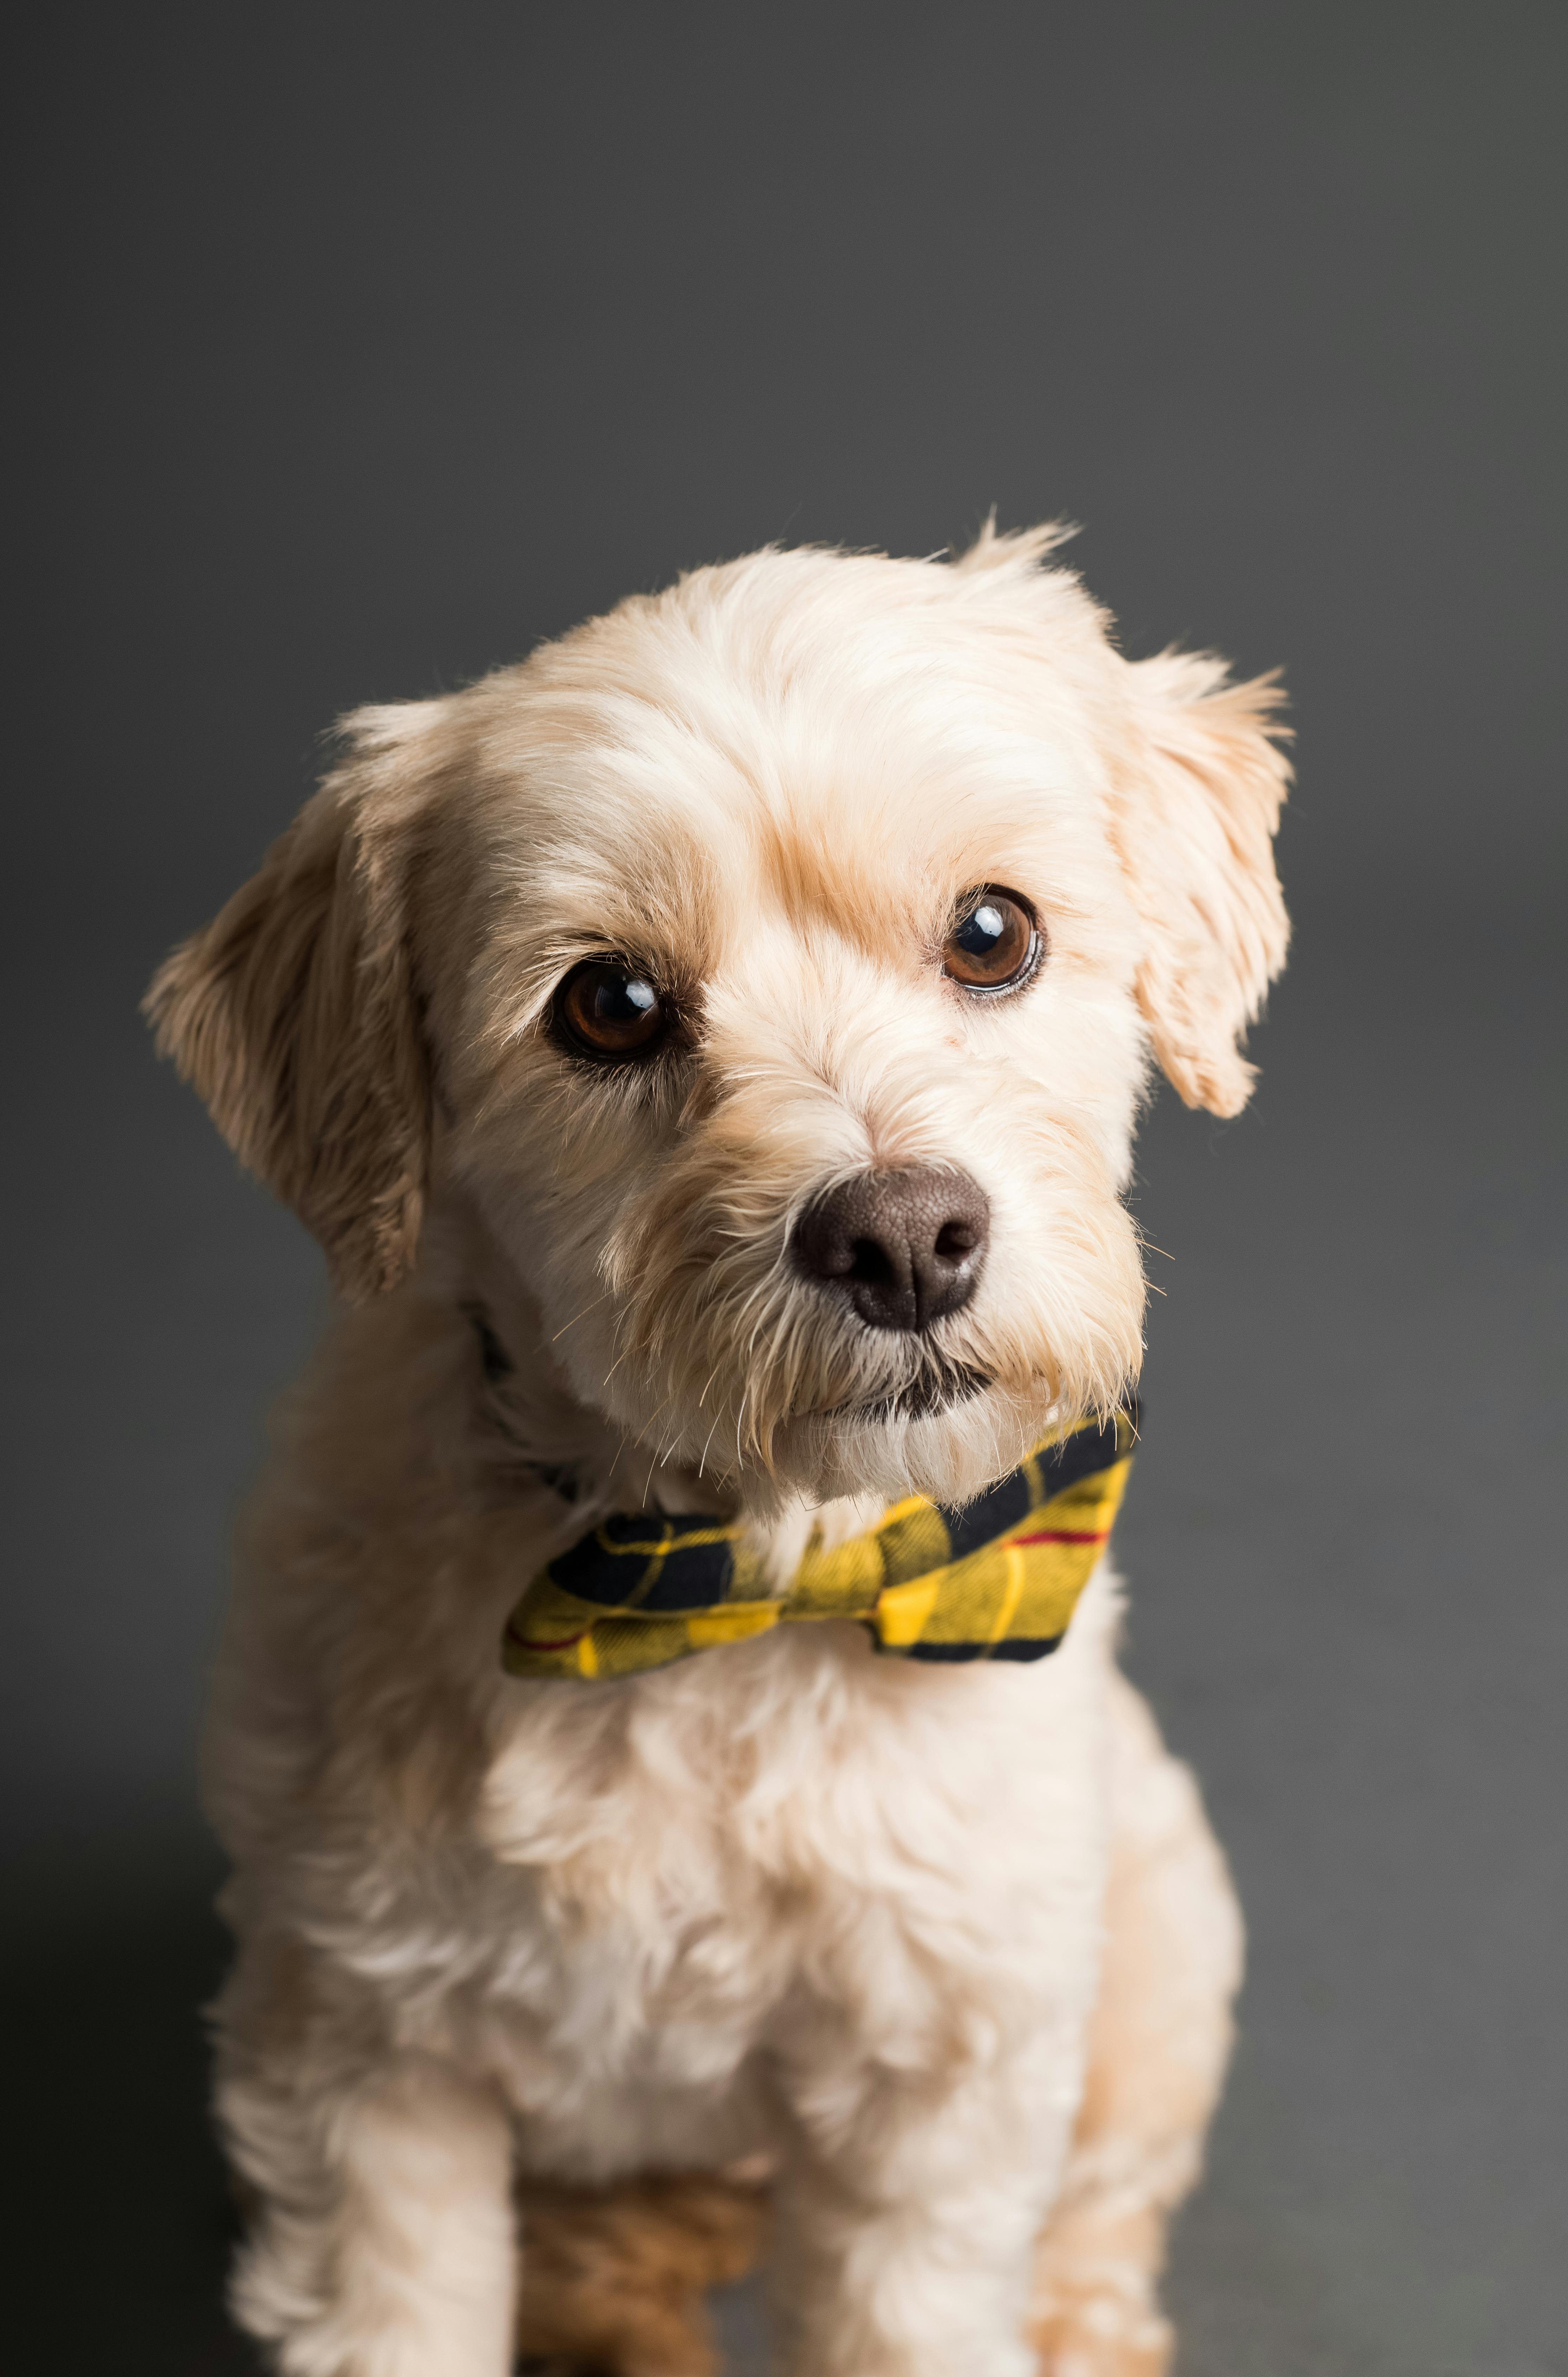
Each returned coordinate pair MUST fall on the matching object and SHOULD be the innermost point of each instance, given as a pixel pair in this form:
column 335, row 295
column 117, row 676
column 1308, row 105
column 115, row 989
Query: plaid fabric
column 997, row 1580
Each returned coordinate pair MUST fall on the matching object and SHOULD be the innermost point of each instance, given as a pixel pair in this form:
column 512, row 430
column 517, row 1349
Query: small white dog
column 708, row 1054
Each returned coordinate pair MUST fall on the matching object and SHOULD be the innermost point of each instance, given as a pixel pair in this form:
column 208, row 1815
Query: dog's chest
column 790, row 1833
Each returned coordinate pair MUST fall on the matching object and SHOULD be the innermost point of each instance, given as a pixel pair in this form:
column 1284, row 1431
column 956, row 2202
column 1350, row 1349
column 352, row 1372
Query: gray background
column 355, row 348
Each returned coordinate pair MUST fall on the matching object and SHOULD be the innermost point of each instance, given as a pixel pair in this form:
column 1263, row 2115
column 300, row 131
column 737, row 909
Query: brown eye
column 995, row 944
column 606, row 1009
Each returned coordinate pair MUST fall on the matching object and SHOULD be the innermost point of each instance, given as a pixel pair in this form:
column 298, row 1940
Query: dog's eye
column 606, row 1009
column 996, row 943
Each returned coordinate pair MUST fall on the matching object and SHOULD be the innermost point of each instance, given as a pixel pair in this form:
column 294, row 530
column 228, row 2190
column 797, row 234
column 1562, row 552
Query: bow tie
column 997, row 1580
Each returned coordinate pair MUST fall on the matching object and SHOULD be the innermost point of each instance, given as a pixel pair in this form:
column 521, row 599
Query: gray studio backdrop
column 362, row 347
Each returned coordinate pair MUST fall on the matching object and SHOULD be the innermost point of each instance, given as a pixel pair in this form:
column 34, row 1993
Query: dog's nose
column 902, row 1248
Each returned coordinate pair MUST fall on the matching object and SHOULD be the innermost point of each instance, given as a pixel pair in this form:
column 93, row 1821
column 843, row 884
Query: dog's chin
column 947, row 1437
column 937, row 1388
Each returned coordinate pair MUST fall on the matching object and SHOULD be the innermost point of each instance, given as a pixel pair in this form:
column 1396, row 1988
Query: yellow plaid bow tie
column 997, row 1580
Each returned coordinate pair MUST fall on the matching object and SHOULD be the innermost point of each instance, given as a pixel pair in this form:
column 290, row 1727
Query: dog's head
column 777, row 963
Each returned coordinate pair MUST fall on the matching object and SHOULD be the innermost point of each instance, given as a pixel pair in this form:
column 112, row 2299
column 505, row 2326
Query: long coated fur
column 556, row 1979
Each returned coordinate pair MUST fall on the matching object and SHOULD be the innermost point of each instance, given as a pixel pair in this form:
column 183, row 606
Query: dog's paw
column 1106, row 2329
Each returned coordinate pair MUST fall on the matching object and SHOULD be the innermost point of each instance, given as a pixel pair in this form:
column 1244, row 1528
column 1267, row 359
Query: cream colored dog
column 564, row 1006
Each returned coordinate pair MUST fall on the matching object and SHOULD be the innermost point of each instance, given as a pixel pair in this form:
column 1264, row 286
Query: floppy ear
column 1196, row 804
column 294, row 1013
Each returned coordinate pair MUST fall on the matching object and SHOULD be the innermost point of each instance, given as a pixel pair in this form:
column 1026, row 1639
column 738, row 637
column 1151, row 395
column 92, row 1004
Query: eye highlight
column 996, row 944
column 605, row 1008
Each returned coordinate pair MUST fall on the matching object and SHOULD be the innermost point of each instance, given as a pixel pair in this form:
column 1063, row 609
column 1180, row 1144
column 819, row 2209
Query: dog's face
column 775, row 963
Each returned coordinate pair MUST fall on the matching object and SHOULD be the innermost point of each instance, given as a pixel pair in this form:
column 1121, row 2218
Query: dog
column 708, row 1054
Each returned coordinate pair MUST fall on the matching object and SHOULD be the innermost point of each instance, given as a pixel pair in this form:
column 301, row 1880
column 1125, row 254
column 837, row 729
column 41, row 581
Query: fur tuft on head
column 1020, row 550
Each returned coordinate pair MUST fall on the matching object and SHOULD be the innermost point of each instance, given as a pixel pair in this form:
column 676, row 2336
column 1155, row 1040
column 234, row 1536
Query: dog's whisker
column 581, row 1315
column 702, row 1458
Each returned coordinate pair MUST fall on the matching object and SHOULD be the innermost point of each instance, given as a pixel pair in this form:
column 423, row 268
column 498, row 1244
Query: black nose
column 902, row 1248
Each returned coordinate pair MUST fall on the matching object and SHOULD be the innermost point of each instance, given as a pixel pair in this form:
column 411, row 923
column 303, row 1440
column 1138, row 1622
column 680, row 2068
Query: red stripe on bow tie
column 1063, row 1536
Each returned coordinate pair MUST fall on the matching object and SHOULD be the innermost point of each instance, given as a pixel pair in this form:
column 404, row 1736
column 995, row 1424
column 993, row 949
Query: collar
column 998, row 1579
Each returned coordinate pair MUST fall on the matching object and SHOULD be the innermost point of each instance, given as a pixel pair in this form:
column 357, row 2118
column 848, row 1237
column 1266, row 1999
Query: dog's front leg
column 906, row 2216
column 381, row 2240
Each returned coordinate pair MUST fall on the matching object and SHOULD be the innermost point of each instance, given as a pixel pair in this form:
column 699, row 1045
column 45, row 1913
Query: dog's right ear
column 294, row 1014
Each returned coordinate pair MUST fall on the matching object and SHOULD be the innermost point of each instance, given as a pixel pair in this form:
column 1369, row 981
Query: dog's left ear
column 1197, row 801
column 295, row 1013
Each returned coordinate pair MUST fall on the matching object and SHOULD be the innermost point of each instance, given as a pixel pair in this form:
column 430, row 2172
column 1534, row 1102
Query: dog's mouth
column 941, row 1385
